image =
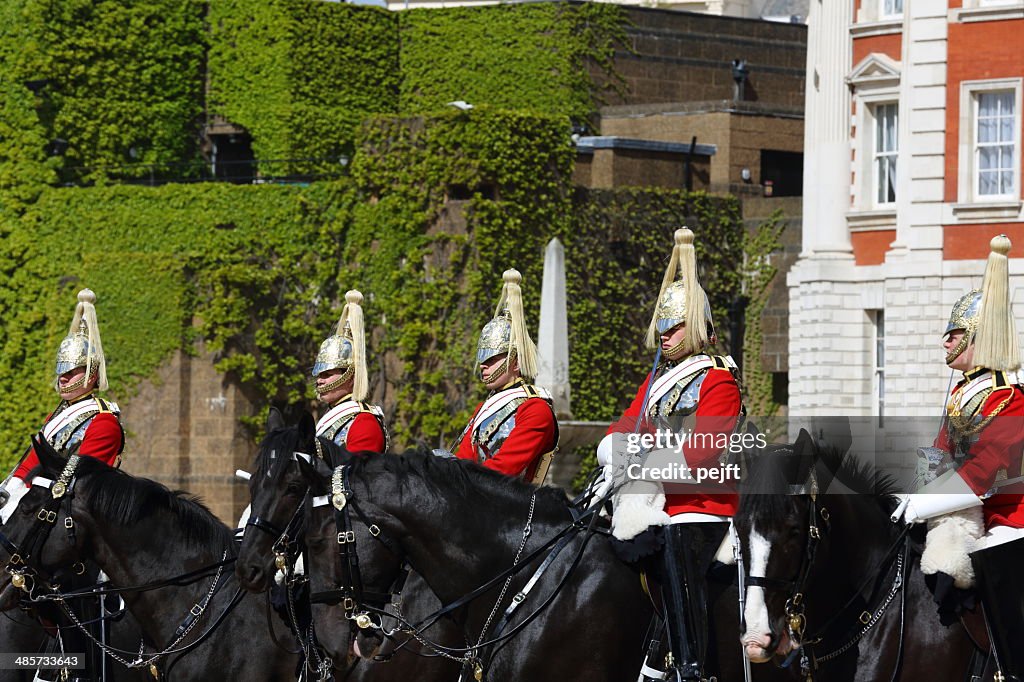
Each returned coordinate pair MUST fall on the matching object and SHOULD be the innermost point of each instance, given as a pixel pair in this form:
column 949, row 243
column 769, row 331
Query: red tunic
column 365, row 434
column 533, row 435
column 718, row 410
column 998, row 449
column 104, row 440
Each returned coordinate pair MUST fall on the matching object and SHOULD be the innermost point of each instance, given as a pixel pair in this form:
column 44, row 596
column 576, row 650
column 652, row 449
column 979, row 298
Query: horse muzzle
column 367, row 643
column 759, row 647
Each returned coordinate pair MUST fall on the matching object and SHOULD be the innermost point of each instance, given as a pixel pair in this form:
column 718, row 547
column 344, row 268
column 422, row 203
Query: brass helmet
column 506, row 332
column 82, row 346
column 682, row 299
column 986, row 315
column 963, row 316
column 346, row 349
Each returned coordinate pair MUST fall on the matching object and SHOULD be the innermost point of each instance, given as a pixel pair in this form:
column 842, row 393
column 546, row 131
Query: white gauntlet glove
column 16, row 489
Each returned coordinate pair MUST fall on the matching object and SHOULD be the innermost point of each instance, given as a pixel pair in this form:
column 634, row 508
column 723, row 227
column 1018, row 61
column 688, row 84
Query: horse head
column 277, row 488
column 46, row 536
column 813, row 522
column 353, row 560
column 779, row 523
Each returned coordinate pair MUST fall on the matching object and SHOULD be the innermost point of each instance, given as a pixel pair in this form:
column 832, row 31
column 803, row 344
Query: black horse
column 140, row 534
column 834, row 575
column 278, row 488
column 461, row 527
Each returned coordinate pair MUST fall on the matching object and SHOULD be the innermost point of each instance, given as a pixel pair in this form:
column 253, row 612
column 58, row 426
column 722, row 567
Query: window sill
column 968, row 15
column 875, row 219
column 989, row 210
column 881, row 27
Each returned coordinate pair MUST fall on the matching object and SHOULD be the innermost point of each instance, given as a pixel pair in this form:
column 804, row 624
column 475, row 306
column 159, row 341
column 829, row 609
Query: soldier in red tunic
column 82, row 423
column 975, row 510
column 694, row 395
column 514, row 430
column 342, row 385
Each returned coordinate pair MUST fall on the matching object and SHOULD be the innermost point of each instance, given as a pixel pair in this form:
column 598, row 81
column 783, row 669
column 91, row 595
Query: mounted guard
column 86, row 425
column 974, row 507
column 514, row 430
column 694, row 396
column 342, row 385
column 82, row 422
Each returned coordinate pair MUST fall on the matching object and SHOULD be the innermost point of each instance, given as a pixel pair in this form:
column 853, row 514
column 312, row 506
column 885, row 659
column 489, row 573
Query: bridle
column 349, row 591
column 818, row 525
column 26, row 573
column 284, row 547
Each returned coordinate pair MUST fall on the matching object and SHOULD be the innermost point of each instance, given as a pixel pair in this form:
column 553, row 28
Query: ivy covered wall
column 300, row 75
column 118, row 84
column 246, row 267
column 531, row 57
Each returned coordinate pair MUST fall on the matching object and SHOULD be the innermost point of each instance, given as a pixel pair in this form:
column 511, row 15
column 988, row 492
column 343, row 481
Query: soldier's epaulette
column 103, row 406
column 534, row 392
column 1000, row 382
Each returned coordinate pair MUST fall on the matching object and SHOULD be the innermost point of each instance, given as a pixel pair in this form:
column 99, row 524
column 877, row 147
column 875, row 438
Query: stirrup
column 649, row 674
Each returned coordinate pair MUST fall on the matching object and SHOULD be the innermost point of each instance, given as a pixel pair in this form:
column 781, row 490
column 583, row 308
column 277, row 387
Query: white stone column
column 553, row 335
column 920, row 168
column 827, row 131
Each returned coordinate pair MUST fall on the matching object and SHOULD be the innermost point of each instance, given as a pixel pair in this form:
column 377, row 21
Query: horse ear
column 806, row 453
column 48, row 457
column 275, row 420
column 307, row 428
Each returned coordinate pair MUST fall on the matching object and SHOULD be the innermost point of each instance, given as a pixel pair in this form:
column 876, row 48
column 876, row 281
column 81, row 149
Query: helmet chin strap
column 497, row 371
column 676, row 352
column 75, row 385
column 965, row 341
column 337, row 383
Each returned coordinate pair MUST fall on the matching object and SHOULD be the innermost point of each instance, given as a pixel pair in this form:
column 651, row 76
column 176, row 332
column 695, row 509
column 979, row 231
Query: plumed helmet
column 82, row 346
column 346, row 349
column 506, row 332
column 965, row 313
column 681, row 298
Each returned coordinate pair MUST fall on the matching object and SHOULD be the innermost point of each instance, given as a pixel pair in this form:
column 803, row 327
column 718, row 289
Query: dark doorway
column 232, row 158
column 785, row 172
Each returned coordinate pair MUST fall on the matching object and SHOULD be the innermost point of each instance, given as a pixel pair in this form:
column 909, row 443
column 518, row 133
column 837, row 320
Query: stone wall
column 739, row 132
column 683, row 57
column 183, row 430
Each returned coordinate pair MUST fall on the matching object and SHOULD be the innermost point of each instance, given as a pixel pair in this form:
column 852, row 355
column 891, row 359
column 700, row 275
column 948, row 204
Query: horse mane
column 453, row 474
column 766, row 487
column 125, row 500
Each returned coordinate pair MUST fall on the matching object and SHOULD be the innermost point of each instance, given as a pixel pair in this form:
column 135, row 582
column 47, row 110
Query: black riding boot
column 688, row 553
column 997, row 571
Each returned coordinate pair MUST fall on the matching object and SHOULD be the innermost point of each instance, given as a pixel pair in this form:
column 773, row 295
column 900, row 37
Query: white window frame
column 967, row 171
column 885, row 13
column 865, row 188
column 875, row 175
